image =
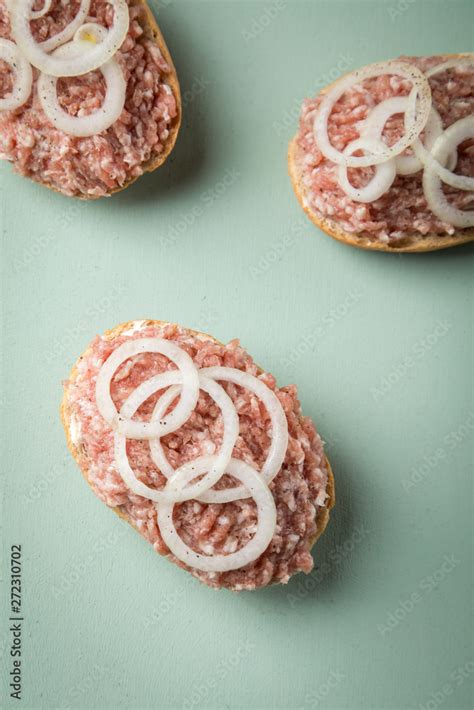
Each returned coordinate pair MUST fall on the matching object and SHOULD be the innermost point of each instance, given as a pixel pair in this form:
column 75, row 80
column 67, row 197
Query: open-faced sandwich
column 89, row 94
column 384, row 157
column 200, row 451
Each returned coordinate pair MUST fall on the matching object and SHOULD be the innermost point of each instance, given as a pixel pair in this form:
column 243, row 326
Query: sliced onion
column 435, row 197
column 464, row 60
column 421, row 93
column 23, row 80
column 90, row 32
column 37, row 54
column 175, row 490
column 375, row 122
column 382, row 180
column 461, row 182
column 97, row 121
column 159, row 457
column 187, row 401
column 68, row 32
column 259, row 491
column 279, row 442
column 36, row 14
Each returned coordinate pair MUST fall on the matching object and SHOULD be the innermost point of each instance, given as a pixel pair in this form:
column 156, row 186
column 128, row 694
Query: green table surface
column 379, row 345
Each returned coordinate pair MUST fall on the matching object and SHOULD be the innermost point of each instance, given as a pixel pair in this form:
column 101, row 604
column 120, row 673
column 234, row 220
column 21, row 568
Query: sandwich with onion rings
column 384, row 157
column 200, row 451
column 90, row 99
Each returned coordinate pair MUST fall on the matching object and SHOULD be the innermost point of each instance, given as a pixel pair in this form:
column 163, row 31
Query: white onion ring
column 278, row 446
column 464, row 60
column 90, row 32
column 68, row 32
column 97, row 121
column 174, row 489
column 379, row 184
column 259, row 491
column 375, row 122
column 279, row 443
column 36, row 14
column 23, row 80
column 185, row 406
column 421, row 90
column 435, row 197
column 37, row 54
column 460, row 182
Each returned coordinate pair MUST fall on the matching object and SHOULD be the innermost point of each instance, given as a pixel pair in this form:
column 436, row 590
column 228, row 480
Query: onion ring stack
column 437, row 157
column 72, row 52
column 194, row 479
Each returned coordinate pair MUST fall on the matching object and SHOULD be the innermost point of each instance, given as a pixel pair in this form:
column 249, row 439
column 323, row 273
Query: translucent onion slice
column 37, row 53
column 187, row 402
column 258, row 489
column 460, row 182
column 36, row 14
column 278, row 446
column 435, row 197
column 464, row 60
column 23, row 76
column 90, row 32
column 159, row 457
column 175, row 489
column 382, row 180
column 421, row 93
column 279, row 442
column 68, row 32
column 97, row 121
column 375, row 122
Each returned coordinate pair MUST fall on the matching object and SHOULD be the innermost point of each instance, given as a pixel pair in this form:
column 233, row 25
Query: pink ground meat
column 402, row 211
column 96, row 165
column 298, row 489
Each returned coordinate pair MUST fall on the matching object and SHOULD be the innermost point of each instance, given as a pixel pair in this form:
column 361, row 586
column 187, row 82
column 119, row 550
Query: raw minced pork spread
column 402, row 211
column 298, row 489
column 96, row 165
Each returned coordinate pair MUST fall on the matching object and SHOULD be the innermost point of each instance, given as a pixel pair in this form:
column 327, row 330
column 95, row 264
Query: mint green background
column 249, row 264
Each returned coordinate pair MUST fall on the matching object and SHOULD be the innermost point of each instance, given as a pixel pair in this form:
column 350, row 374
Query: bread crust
column 323, row 513
column 411, row 244
column 152, row 32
